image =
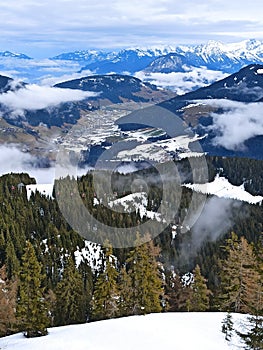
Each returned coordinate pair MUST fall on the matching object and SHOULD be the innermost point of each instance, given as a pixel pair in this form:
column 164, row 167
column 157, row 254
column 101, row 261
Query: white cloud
column 238, row 123
column 215, row 220
column 37, row 70
column 34, row 97
column 14, row 160
column 51, row 80
column 182, row 83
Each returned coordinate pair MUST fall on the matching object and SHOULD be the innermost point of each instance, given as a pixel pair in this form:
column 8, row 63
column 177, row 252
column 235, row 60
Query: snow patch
column 44, row 189
column 221, row 187
column 91, row 254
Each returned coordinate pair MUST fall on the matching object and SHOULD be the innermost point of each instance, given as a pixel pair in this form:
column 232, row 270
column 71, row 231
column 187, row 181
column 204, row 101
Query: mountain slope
column 172, row 62
column 117, row 88
column 8, row 54
column 5, row 83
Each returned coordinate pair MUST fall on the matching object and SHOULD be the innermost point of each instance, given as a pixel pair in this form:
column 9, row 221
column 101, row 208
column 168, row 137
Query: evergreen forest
column 201, row 268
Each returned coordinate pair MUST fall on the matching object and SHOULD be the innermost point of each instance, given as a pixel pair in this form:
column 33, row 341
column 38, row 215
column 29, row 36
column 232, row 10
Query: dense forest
column 45, row 284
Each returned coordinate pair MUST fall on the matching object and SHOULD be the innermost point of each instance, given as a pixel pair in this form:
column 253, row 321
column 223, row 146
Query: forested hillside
column 49, row 279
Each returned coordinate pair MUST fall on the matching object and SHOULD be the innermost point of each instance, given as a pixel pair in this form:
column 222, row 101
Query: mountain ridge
column 214, row 55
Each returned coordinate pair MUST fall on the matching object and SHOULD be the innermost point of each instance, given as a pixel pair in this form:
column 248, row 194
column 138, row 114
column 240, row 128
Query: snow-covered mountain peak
column 8, row 54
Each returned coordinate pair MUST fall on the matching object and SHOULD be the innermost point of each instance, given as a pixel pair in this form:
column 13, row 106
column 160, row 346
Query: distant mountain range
column 214, row 59
column 214, row 55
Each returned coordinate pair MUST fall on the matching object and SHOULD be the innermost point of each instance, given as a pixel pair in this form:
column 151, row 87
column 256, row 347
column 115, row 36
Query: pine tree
column 8, row 291
column 239, row 277
column 125, row 288
column 146, row 283
column 70, row 297
column 253, row 338
column 32, row 308
column 12, row 263
column 199, row 295
column 106, row 295
column 176, row 292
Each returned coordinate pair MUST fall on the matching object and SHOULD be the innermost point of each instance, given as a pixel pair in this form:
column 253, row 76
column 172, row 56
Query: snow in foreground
column 180, row 331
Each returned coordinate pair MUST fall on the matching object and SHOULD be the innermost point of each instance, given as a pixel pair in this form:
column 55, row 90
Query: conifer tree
column 8, row 290
column 176, row 292
column 146, row 282
column 70, row 297
column 253, row 337
column 32, row 308
column 125, row 288
column 199, row 295
column 12, row 262
column 239, row 277
column 106, row 295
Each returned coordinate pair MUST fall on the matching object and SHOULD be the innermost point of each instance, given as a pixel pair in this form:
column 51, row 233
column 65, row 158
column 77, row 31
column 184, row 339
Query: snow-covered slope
column 135, row 202
column 180, row 331
column 221, row 187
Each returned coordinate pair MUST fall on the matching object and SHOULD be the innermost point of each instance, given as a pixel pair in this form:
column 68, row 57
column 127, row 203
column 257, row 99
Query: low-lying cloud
column 52, row 80
column 43, row 72
column 238, row 123
column 14, row 160
column 215, row 220
column 180, row 82
column 34, row 97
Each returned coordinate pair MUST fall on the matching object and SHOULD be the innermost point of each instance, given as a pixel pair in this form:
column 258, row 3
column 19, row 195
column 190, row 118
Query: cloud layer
column 84, row 24
column 14, row 160
column 238, row 123
column 34, row 97
column 182, row 83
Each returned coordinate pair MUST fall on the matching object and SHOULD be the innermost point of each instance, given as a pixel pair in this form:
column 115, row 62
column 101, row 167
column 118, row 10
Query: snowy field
column 178, row 331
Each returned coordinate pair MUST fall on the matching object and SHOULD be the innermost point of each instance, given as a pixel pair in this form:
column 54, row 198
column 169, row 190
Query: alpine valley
column 166, row 147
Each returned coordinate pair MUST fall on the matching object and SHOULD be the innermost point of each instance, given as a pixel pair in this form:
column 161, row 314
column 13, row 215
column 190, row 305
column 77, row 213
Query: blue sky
column 45, row 28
